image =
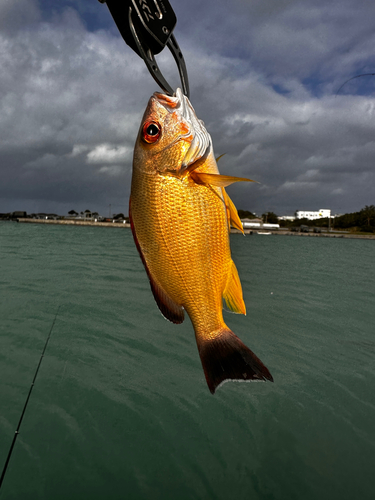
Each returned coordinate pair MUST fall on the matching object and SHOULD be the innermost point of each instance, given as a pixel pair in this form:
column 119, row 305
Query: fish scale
column 180, row 217
column 173, row 245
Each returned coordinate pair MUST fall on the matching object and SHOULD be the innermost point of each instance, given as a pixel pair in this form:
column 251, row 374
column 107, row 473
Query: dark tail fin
column 225, row 357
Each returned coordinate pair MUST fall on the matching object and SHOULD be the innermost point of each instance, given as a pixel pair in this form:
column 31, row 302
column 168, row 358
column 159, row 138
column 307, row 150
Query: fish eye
column 151, row 132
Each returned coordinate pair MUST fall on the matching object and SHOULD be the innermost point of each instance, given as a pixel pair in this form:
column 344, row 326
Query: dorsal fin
column 216, row 179
column 233, row 217
column 233, row 292
column 169, row 309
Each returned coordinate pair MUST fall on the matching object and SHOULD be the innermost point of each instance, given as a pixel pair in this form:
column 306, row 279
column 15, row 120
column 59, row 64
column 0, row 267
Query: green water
column 120, row 408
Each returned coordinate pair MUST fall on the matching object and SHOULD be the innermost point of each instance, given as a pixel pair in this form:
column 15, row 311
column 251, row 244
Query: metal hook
column 152, row 65
column 148, row 33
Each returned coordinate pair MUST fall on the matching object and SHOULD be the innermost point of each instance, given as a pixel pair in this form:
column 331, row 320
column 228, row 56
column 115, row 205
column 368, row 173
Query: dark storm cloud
column 263, row 77
column 66, row 120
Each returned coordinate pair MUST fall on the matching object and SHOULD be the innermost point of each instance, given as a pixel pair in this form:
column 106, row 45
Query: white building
column 323, row 213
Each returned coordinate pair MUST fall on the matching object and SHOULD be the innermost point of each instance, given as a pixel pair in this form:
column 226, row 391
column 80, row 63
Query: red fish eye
column 151, row 132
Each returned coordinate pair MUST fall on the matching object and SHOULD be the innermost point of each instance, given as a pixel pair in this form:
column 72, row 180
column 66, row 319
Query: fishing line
column 352, row 78
column 26, row 402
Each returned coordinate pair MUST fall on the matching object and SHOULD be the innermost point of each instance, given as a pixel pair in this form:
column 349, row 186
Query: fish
column 180, row 216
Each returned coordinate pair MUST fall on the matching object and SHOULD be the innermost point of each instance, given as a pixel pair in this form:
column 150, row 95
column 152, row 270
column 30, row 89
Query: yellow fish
column 180, row 217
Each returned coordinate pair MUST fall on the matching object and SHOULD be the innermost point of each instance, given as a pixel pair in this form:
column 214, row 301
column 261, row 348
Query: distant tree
column 270, row 218
column 368, row 214
column 245, row 214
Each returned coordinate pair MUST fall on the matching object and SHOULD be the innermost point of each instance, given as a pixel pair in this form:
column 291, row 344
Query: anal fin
column 168, row 307
column 233, row 292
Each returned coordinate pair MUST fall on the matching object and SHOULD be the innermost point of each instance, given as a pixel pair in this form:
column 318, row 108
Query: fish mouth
column 197, row 135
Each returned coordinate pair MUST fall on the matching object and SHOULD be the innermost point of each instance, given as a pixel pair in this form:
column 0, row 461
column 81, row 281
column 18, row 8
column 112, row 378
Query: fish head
column 171, row 138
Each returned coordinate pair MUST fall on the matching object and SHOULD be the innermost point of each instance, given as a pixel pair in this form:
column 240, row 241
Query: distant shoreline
column 280, row 232
column 283, row 232
column 70, row 222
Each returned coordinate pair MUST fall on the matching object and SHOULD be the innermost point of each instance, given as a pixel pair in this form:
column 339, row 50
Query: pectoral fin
column 169, row 309
column 233, row 217
column 233, row 292
column 216, row 179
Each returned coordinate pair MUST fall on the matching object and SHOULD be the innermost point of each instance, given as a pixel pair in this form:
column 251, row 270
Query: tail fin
column 225, row 357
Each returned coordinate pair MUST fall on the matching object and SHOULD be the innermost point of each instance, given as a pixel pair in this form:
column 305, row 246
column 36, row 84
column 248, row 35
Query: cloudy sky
column 263, row 75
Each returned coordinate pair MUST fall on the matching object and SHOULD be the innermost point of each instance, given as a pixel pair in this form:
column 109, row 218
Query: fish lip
column 200, row 142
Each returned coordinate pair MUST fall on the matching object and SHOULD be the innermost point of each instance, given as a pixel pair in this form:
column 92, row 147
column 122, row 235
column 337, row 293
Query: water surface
column 121, row 409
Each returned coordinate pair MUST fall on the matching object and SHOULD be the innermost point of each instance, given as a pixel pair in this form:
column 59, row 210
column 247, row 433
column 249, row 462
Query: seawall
column 311, row 235
column 75, row 222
